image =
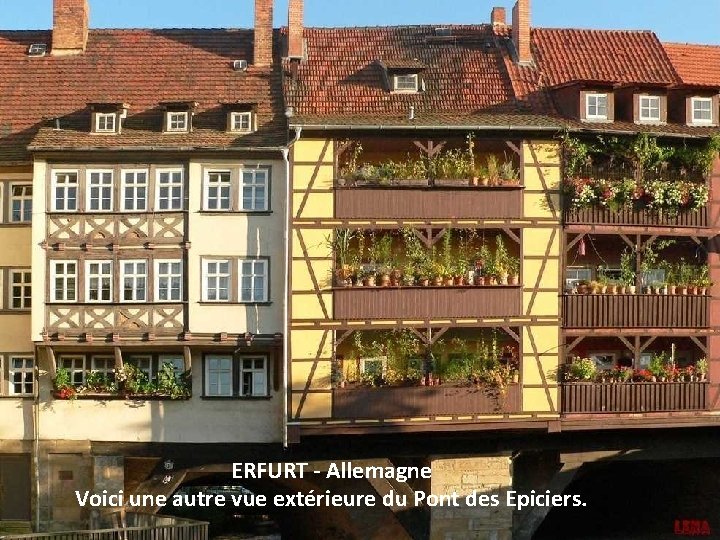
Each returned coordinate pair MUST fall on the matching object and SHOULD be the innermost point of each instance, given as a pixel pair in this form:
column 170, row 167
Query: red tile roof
column 614, row 56
column 142, row 68
column 465, row 73
column 696, row 65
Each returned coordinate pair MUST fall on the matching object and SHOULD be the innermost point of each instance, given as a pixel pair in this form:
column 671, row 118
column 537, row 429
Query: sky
column 696, row 23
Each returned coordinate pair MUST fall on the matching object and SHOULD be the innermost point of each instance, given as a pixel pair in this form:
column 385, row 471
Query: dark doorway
column 15, row 487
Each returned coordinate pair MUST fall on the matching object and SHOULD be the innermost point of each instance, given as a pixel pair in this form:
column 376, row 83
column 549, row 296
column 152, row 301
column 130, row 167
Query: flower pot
column 703, row 291
column 369, row 281
column 437, row 281
column 474, row 181
column 359, row 283
column 691, row 289
column 516, row 378
column 613, row 289
column 490, row 280
column 458, row 281
column 672, row 289
column 424, row 282
column 582, row 289
column 681, row 289
column 603, row 289
column 384, row 280
column 503, row 279
column 513, row 279
column 449, row 281
column 632, row 289
column 484, row 181
column 478, row 280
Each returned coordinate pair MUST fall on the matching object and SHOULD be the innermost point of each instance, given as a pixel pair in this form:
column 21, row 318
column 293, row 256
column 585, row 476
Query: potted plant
column 657, row 366
column 583, row 287
column 581, row 370
column 63, row 388
column 509, row 175
column 627, row 271
column 408, row 274
column 701, row 368
column 501, row 260
column 493, row 170
column 368, row 278
column 513, row 270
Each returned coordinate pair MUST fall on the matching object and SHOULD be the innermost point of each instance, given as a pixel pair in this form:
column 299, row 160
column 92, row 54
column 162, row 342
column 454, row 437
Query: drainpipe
column 286, row 319
column 36, row 438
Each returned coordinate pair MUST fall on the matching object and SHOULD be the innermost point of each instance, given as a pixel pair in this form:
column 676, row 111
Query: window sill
column 236, row 212
column 210, row 303
column 15, row 311
column 236, row 398
column 22, row 397
column 16, row 224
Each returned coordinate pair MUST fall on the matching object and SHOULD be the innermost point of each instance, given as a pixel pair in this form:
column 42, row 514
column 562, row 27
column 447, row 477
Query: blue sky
column 698, row 23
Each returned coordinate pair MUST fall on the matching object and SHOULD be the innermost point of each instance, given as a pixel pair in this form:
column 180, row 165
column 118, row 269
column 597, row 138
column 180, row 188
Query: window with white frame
column 100, row 190
column 134, row 281
column 216, row 281
column 254, row 190
column 75, row 365
column 574, row 275
column 217, row 190
column 20, row 203
column 105, row 122
column 253, row 280
column 253, row 376
column 143, row 364
column 702, row 112
column 21, row 375
column 98, row 281
column 219, row 375
column 650, row 108
column 175, row 360
column 406, row 82
column 63, row 281
column 65, row 191
column 103, row 365
column 177, row 121
column 596, row 106
column 20, row 289
column 241, row 122
column 170, row 190
column 168, row 280
column 134, row 190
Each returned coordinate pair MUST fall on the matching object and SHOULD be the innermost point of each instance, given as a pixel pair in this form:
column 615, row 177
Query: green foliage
column 627, row 267
column 171, row 383
column 582, row 369
column 100, row 382
column 658, row 364
column 701, row 366
column 62, row 379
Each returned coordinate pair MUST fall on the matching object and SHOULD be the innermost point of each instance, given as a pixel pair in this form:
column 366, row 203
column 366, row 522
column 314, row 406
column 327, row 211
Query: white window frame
column 570, row 282
column 143, row 363
column 172, row 172
column 108, row 367
column 99, row 276
column 65, row 276
column 169, row 275
column 25, row 286
column 237, row 119
column 596, row 96
column 65, row 187
column 24, row 199
column 135, row 278
column 702, row 121
column 259, row 376
column 225, row 366
column 217, row 275
column 105, row 117
column 26, row 372
column 253, row 277
column 214, row 184
column 77, row 368
column 175, row 117
column 399, row 87
column 101, row 187
column 177, row 360
column 649, row 106
column 134, row 199
column 252, row 184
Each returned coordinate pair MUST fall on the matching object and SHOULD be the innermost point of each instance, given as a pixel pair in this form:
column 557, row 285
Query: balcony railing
column 123, row 319
column 404, row 402
column 605, row 216
column 425, row 303
column 632, row 397
column 635, row 311
column 418, row 200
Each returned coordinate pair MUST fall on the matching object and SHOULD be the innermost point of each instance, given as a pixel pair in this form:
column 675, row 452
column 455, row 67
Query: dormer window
column 702, row 110
column 406, row 82
column 241, row 122
column 177, row 121
column 178, row 116
column 105, row 122
column 596, row 106
column 650, row 108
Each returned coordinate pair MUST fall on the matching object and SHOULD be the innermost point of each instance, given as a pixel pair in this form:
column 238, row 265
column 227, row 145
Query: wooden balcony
column 693, row 219
column 642, row 397
column 405, row 402
column 445, row 200
column 425, row 303
column 635, row 311
column 74, row 320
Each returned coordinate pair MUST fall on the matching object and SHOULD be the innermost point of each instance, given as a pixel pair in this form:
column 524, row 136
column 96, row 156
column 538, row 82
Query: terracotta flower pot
column 449, row 281
column 424, row 282
column 437, row 281
column 672, row 289
column 458, row 281
column 369, row 281
column 582, row 289
column 513, row 279
column 478, row 280
column 490, row 280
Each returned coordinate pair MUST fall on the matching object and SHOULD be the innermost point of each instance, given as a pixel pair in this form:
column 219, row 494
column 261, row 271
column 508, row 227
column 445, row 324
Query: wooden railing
column 634, row 397
column 404, row 402
column 605, row 216
column 635, row 311
column 426, row 302
column 418, row 202
column 164, row 529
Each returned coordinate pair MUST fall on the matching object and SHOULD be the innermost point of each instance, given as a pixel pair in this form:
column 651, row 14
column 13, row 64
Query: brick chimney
column 295, row 29
column 521, row 31
column 263, row 32
column 70, row 26
column 497, row 17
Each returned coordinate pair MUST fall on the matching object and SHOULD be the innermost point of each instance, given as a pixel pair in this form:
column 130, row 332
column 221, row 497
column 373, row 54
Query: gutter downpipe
column 286, row 320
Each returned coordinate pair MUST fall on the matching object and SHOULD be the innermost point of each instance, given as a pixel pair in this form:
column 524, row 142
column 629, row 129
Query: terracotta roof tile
column 142, row 68
column 696, row 65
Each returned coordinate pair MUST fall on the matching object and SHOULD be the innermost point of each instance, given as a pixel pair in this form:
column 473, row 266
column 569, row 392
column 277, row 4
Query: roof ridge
column 597, row 30
column 391, row 26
